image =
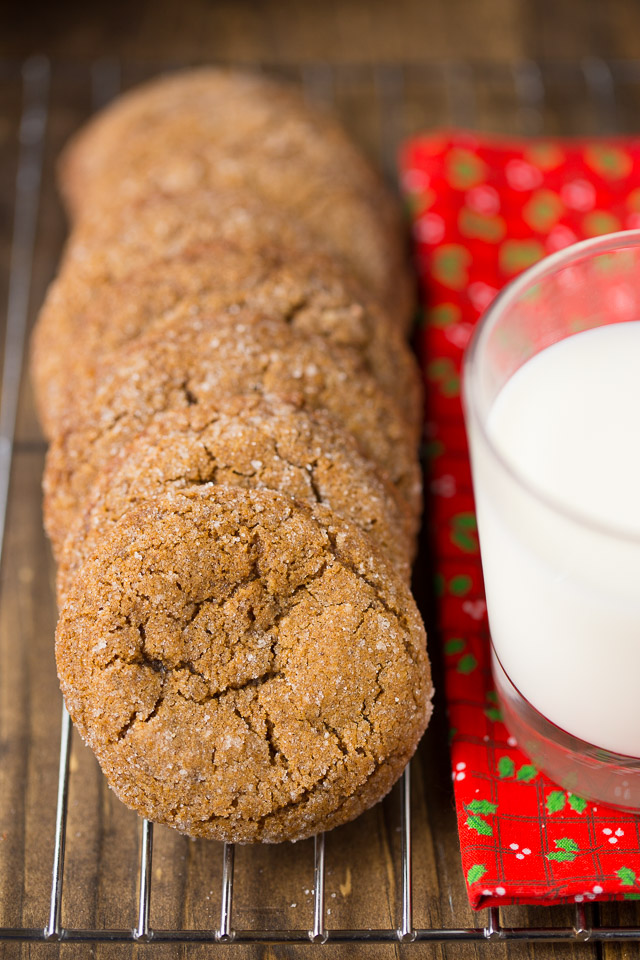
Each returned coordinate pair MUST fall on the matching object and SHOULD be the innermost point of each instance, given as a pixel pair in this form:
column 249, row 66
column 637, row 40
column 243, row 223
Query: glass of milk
column 552, row 406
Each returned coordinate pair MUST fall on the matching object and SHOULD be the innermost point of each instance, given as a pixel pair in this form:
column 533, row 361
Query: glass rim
column 606, row 243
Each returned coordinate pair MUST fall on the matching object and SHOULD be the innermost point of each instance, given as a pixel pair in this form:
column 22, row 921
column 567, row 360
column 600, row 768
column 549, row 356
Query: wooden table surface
column 389, row 68
column 286, row 31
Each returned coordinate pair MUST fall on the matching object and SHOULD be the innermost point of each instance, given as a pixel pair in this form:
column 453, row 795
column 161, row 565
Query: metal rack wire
column 529, row 83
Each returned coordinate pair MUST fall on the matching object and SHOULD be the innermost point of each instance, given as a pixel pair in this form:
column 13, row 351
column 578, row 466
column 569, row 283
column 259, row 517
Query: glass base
column 578, row 766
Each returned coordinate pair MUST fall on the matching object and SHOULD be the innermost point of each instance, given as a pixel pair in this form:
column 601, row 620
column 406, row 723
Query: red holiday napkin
column 484, row 209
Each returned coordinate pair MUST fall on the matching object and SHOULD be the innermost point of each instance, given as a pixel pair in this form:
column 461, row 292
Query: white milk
column 562, row 569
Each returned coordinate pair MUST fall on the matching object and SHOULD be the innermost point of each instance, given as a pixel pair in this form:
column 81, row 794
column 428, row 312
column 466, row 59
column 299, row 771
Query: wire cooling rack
column 586, row 97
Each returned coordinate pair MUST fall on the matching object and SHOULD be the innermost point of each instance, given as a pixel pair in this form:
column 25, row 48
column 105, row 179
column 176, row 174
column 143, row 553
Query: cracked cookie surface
column 244, row 666
column 231, row 130
column 193, row 361
column 202, row 253
column 249, row 442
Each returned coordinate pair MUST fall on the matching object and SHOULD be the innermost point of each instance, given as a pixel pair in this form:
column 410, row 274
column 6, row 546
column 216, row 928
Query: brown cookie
column 194, row 361
column 106, row 298
column 249, row 442
column 231, row 130
column 244, row 667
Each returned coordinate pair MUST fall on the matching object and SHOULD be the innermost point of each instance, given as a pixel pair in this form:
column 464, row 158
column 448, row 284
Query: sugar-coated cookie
column 230, row 130
column 105, row 296
column 193, row 360
column 249, row 442
column 244, row 666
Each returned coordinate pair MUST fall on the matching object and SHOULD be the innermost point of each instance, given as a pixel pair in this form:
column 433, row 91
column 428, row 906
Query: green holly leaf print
column 506, row 767
column 464, row 534
column 533, row 293
column 480, row 826
column 571, row 775
column 516, row 255
column 420, row 202
column 566, row 852
column 543, row 210
column 556, row 801
column 577, row 803
column 464, row 169
column 482, row 806
column 443, row 371
column 449, row 265
column 460, row 584
column 600, row 221
column 454, row 645
column 439, row 368
column 476, row 872
column 627, row 876
column 481, row 226
column 527, row 773
column 433, row 449
column 631, row 896
column 545, row 156
column 611, row 263
column 467, row 664
column 452, row 733
column 608, row 161
column 444, row 315
column 493, row 713
column 450, row 387
column 566, row 843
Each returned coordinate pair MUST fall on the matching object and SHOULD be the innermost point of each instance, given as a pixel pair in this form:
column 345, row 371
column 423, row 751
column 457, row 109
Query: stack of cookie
column 232, row 489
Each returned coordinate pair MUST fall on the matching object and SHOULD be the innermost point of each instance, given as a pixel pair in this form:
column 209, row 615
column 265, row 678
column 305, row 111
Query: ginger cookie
column 194, row 361
column 248, row 442
column 222, row 129
column 167, row 235
column 109, row 299
column 245, row 667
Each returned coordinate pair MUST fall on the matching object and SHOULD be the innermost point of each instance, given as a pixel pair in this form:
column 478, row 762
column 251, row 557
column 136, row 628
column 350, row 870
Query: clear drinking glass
column 563, row 590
